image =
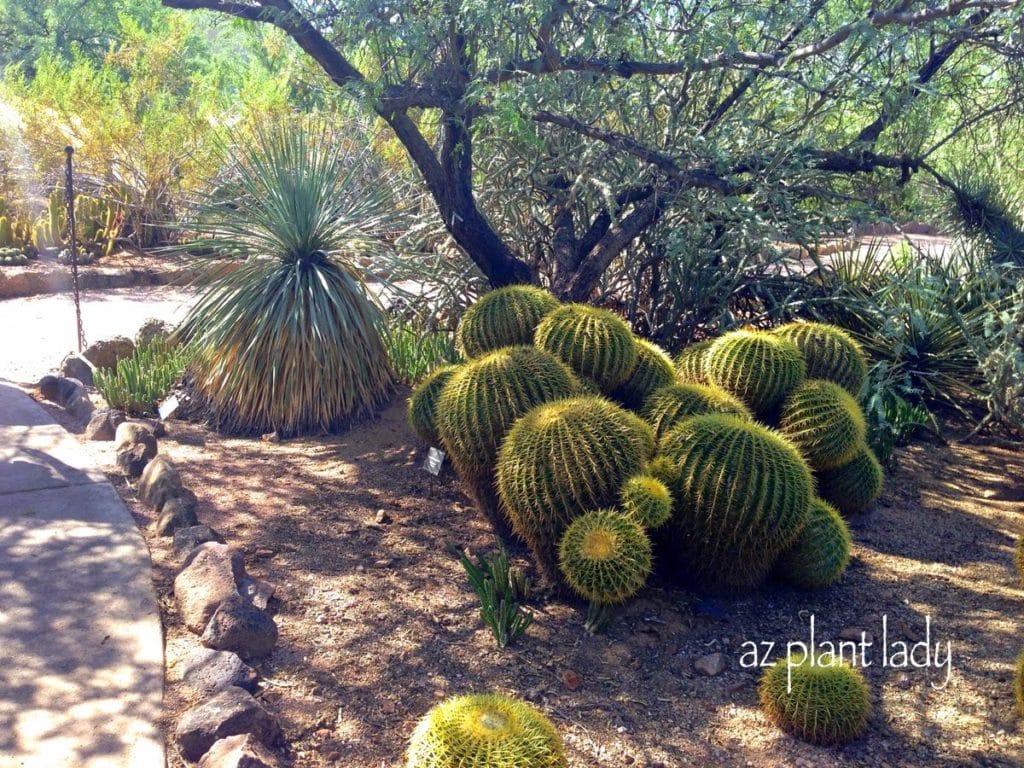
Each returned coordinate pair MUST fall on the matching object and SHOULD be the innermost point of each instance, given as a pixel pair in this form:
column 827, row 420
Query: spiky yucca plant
column 690, row 362
column 605, row 556
column 653, row 370
column 503, row 318
column 485, row 730
column 742, row 494
column 422, row 407
column 821, row 700
column 824, row 422
column 854, row 486
column 647, row 500
column 757, row 367
column 593, row 342
column 288, row 341
column 820, row 553
column 670, row 405
column 829, row 352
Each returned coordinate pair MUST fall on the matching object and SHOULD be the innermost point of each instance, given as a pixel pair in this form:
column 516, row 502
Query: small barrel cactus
column 593, row 342
column 824, row 422
column 647, row 500
column 757, row 367
column 670, row 405
column 563, row 459
column 854, row 486
column 822, row 700
column 505, row 317
column 820, row 553
column 653, row 370
column 485, row 730
column 742, row 494
column 422, row 407
column 483, row 397
column 829, row 352
column 690, row 362
column 605, row 556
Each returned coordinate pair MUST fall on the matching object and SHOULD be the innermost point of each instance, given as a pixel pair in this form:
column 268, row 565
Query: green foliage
column 670, row 405
column 755, row 366
column 816, row 698
column 1001, row 360
column 854, row 486
column 421, row 410
column 892, row 420
column 503, row 318
column 594, row 342
column 565, row 458
column 989, row 214
column 690, row 362
column 647, row 500
column 415, row 351
column 821, row 552
column 728, row 527
column 1018, row 557
column 138, row 383
column 485, row 730
column 502, row 590
column 288, row 341
column 824, row 422
column 1018, row 684
column 605, row 556
column 829, row 352
column 486, row 395
column 653, row 370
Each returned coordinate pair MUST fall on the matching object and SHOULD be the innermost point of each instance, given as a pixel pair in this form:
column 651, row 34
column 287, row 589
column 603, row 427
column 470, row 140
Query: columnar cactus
column 653, row 370
column 670, row 405
column 742, row 494
column 854, row 486
column 822, row 700
column 824, row 422
column 485, row 730
column 821, row 552
column 829, row 352
column 690, row 362
column 595, row 343
column 757, row 367
column 647, row 500
column 503, row 318
column 563, row 459
column 605, row 556
column 422, row 406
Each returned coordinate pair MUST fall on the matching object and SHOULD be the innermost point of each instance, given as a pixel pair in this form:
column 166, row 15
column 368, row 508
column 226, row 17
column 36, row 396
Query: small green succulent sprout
column 647, row 500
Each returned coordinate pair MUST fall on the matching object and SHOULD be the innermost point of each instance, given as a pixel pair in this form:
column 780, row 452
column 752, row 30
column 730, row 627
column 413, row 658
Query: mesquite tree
column 588, row 122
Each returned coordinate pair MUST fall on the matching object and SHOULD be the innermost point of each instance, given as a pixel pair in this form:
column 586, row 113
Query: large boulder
column 231, row 712
column 238, row 625
column 211, row 575
column 107, row 353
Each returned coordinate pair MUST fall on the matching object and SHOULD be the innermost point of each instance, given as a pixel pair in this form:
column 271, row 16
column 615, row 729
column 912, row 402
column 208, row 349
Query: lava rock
column 159, row 482
column 241, row 751
column 49, row 386
column 210, row 576
column 77, row 367
column 107, row 353
column 711, row 665
column 206, row 671
column 133, row 432
column 176, row 512
column 238, row 625
column 187, row 539
column 103, row 424
column 132, row 460
column 231, row 712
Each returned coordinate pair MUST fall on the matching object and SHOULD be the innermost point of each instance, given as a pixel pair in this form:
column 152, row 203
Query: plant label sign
column 167, row 408
column 434, row 461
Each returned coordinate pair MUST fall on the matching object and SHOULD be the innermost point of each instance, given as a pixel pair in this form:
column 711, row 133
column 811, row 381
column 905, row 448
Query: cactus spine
column 757, row 367
column 653, row 370
column 854, row 486
column 422, row 407
column 821, row 552
column 647, row 500
column 503, row 318
column 690, row 362
column 605, row 556
column 593, row 342
column 824, row 422
column 670, row 405
column 829, row 352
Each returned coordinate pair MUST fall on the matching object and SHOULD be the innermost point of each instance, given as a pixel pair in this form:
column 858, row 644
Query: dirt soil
column 377, row 620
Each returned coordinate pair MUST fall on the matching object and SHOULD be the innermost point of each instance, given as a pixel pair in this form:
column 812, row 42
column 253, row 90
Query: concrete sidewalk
column 81, row 648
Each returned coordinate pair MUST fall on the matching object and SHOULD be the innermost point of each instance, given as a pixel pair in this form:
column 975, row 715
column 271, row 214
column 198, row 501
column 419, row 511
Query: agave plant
column 287, row 337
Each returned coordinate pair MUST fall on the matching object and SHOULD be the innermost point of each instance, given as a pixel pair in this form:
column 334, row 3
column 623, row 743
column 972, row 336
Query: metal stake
column 69, row 198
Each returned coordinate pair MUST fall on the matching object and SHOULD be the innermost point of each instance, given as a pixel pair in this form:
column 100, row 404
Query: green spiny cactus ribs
column 820, row 553
column 647, row 500
column 690, row 362
column 1018, row 684
column 824, row 422
column 485, row 730
column 605, row 556
column 563, row 459
column 1019, row 558
column 821, row 700
column 755, row 366
column 593, row 342
column 505, row 317
column 670, row 405
column 829, row 352
column 854, row 486
column 653, row 370
column 422, row 408
column 742, row 495
column 485, row 396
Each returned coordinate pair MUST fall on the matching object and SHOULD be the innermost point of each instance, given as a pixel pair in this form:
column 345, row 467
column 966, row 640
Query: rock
column 382, row 518
column 159, row 482
column 107, row 353
column 77, row 367
column 69, row 392
column 231, row 712
column 211, row 575
column 152, row 330
column 176, row 512
column 132, row 460
column 206, row 671
column 711, row 665
column 187, row 539
column 257, row 591
column 132, row 432
column 104, row 423
column 49, row 386
column 241, row 751
column 239, row 626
